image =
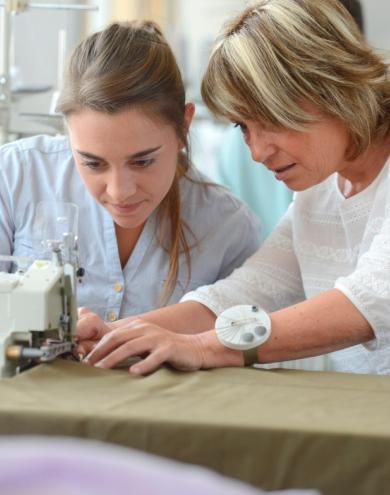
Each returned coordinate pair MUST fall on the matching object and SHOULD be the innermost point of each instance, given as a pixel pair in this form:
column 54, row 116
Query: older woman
column 313, row 102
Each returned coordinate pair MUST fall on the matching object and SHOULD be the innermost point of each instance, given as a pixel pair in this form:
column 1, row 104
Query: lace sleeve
column 368, row 286
column 270, row 278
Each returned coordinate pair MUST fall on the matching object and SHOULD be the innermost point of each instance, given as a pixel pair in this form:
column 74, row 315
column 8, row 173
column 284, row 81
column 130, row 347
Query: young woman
column 150, row 226
column 313, row 102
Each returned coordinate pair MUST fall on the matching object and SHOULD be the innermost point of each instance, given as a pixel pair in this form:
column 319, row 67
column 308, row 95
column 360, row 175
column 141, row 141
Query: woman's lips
column 283, row 172
column 130, row 208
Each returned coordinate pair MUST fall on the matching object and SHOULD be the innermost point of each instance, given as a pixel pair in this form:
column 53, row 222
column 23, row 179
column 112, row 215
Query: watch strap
column 250, row 356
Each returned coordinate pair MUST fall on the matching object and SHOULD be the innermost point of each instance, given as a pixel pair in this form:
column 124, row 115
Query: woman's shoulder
column 37, row 163
column 32, row 150
column 41, row 143
column 198, row 190
column 209, row 207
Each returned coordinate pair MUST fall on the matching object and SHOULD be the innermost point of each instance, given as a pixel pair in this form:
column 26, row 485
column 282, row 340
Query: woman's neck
column 361, row 172
column 127, row 240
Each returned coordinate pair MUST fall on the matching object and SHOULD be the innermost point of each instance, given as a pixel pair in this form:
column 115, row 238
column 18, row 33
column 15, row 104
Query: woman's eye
column 143, row 163
column 91, row 164
column 242, row 127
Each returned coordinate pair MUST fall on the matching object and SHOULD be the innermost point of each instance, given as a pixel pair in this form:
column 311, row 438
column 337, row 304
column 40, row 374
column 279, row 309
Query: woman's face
column 299, row 159
column 127, row 160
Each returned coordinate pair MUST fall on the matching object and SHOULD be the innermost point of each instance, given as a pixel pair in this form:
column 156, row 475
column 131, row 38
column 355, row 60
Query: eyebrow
column 139, row 154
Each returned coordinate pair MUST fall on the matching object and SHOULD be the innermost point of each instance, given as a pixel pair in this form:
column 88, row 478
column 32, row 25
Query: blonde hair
column 279, row 53
column 131, row 64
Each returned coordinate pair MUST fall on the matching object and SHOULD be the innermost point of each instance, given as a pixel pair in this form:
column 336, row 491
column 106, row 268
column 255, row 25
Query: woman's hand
column 183, row 352
column 90, row 329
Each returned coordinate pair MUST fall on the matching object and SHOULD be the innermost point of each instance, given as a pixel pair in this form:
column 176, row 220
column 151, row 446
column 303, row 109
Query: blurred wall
column 198, row 24
column 377, row 22
column 190, row 26
column 36, row 44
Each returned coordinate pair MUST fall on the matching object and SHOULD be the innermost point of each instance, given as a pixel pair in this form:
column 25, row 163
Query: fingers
column 140, row 338
column 87, row 329
column 113, row 340
column 133, row 348
column 150, row 363
column 178, row 350
column 82, row 311
column 136, row 339
column 85, row 348
column 90, row 326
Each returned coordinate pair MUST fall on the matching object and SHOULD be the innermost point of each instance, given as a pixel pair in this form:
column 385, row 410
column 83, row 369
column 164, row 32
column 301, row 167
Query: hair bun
column 148, row 26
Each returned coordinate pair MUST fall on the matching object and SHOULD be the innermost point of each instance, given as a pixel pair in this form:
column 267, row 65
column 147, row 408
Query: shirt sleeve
column 270, row 278
column 241, row 238
column 368, row 286
column 6, row 221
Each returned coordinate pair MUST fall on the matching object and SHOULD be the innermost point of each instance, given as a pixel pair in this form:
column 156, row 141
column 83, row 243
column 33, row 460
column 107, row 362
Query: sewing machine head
column 38, row 311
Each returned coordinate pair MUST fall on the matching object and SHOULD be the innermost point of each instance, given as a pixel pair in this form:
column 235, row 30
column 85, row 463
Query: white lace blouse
column 324, row 241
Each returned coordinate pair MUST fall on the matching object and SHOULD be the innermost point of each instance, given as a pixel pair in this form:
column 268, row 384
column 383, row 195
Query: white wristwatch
column 244, row 328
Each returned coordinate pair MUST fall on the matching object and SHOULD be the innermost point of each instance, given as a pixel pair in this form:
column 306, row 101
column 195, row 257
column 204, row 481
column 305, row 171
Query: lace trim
column 374, row 226
column 280, row 277
column 250, row 289
column 314, row 251
column 368, row 279
column 357, row 212
column 319, row 284
column 319, row 218
column 283, row 243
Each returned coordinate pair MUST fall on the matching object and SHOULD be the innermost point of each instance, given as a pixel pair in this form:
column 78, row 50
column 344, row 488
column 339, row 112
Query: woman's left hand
column 182, row 351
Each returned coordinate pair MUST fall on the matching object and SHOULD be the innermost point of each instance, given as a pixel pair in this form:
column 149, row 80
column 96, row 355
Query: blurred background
column 36, row 37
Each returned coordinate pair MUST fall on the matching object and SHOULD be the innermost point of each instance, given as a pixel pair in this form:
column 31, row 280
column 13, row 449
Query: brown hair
column 131, row 64
column 278, row 53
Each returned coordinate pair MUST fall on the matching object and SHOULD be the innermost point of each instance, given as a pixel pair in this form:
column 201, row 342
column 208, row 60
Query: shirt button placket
column 111, row 316
column 118, row 287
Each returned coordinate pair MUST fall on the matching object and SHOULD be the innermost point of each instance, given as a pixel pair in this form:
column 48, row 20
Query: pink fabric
column 67, row 466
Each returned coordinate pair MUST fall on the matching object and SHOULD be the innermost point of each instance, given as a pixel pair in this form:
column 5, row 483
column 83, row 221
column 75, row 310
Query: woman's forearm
column 322, row 324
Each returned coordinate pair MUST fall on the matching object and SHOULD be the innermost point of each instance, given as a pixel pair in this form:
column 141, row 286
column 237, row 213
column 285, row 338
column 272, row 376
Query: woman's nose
column 261, row 147
column 121, row 185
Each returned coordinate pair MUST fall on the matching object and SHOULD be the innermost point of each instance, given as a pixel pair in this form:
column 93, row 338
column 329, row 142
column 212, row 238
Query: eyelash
column 91, row 165
column 139, row 164
column 242, row 127
column 144, row 163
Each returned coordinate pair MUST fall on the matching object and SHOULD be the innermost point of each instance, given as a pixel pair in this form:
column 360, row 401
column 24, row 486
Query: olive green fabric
column 275, row 429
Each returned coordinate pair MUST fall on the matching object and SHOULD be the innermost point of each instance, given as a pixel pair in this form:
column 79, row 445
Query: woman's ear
column 188, row 116
column 189, row 112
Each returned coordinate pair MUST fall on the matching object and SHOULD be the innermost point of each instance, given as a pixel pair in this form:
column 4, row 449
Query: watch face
column 243, row 327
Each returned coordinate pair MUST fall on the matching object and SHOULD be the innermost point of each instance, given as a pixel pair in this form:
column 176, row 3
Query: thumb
column 90, row 327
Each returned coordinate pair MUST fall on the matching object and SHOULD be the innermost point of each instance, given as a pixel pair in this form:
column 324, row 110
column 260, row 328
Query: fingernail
column 135, row 370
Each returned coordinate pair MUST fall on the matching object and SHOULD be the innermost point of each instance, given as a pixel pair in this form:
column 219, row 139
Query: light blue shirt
column 42, row 169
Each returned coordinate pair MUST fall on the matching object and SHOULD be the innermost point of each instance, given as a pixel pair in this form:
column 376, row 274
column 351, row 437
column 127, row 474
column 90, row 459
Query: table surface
column 275, row 429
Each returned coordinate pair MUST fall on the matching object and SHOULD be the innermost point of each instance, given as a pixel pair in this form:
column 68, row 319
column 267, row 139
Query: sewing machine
column 38, row 311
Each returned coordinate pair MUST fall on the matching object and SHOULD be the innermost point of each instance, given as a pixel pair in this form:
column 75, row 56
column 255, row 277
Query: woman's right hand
column 90, row 329
column 157, row 345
